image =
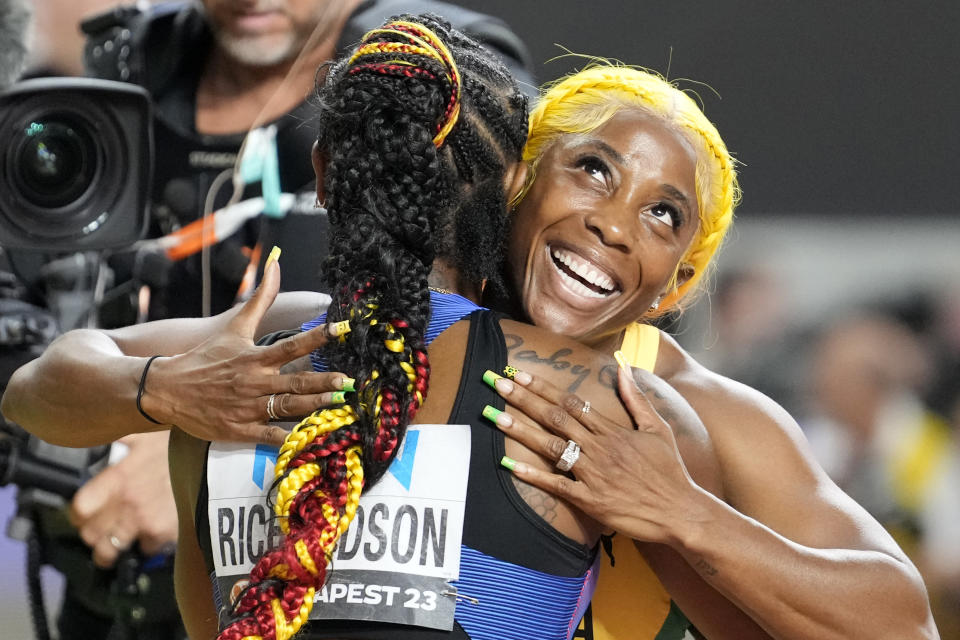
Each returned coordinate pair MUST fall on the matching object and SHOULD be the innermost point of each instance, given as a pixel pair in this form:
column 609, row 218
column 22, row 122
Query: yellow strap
column 641, row 342
column 629, row 602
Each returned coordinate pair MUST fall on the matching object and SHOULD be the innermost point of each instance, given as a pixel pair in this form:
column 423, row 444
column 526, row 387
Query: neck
column 445, row 276
column 604, row 344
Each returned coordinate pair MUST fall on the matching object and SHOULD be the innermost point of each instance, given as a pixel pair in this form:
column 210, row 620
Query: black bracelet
column 143, row 382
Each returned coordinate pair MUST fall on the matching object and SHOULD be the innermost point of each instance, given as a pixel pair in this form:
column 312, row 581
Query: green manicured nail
column 338, row 397
column 509, row 371
column 491, row 414
column 509, row 463
column 347, row 384
column 491, row 378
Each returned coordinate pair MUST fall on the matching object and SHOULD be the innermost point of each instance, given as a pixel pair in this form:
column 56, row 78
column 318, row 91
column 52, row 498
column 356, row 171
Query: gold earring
column 527, row 183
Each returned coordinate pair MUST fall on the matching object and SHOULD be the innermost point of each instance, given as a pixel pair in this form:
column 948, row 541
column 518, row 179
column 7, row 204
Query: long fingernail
column 491, row 413
column 491, row 378
column 273, row 257
column 338, row 397
column 340, row 328
column 509, row 463
column 347, row 383
column 621, row 360
column 500, row 418
column 518, row 376
column 498, row 382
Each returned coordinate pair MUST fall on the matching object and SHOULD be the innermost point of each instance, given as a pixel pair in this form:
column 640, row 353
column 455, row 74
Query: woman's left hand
column 629, row 478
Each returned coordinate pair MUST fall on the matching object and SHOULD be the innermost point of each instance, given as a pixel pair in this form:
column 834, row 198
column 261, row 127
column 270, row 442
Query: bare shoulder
column 735, row 414
column 767, row 467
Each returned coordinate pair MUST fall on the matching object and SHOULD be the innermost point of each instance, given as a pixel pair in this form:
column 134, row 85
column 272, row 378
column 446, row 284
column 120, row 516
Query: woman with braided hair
column 631, row 194
column 421, row 134
column 420, row 141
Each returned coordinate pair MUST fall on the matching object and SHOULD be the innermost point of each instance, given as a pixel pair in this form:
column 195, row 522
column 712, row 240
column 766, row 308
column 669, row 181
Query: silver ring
column 569, row 456
column 115, row 541
column 270, row 412
column 585, row 409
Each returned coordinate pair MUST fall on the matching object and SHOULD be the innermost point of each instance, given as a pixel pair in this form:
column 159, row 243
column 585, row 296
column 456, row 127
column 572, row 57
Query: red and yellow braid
column 315, row 508
column 422, row 42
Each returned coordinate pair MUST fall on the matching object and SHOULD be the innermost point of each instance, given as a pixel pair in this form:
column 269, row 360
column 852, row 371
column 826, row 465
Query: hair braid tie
column 425, row 43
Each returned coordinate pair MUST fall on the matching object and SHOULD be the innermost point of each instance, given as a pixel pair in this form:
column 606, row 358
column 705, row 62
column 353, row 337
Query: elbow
column 8, row 404
column 912, row 616
column 921, row 616
column 18, row 407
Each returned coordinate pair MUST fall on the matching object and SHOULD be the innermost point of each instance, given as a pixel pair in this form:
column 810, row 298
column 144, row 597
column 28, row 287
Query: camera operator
column 215, row 69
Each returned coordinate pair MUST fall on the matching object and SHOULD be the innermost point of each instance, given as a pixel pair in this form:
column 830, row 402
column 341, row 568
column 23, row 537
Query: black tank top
column 526, row 565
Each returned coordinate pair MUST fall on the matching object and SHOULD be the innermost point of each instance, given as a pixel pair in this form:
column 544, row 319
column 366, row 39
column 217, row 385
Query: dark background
column 832, row 107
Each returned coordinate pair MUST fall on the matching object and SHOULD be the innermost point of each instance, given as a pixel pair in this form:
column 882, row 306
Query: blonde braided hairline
column 583, row 101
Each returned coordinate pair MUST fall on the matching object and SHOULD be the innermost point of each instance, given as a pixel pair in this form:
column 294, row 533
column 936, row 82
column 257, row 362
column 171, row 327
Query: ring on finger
column 115, row 542
column 585, row 409
column 569, row 456
column 270, row 410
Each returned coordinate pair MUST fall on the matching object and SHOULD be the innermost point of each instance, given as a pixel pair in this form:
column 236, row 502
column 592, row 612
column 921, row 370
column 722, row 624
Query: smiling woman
column 630, row 192
column 600, row 233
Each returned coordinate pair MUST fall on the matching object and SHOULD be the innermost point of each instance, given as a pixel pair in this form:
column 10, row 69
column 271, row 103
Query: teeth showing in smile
column 582, row 277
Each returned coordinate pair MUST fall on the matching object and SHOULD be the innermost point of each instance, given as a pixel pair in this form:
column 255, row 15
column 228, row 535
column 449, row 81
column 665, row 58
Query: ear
column 684, row 272
column 515, row 179
column 319, row 160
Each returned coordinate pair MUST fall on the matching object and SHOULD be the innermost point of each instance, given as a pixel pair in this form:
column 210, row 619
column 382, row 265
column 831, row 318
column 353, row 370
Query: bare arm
column 791, row 549
column 82, row 391
column 191, row 582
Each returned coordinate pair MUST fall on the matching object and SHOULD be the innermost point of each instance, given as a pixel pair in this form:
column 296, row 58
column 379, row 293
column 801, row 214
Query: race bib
column 395, row 561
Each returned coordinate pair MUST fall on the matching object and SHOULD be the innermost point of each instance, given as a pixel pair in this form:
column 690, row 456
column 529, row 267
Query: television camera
column 75, row 169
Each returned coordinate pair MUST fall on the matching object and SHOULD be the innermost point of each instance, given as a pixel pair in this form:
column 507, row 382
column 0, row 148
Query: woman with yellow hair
column 581, row 251
column 629, row 193
column 630, row 186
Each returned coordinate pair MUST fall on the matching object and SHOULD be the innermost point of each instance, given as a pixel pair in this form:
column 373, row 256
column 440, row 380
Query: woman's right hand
column 222, row 388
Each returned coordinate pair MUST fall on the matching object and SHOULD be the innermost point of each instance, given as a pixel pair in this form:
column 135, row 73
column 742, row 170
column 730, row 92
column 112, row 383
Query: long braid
column 415, row 153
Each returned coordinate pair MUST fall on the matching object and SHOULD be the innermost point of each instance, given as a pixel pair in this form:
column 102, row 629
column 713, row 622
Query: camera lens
column 74, row 164
column 56, row 162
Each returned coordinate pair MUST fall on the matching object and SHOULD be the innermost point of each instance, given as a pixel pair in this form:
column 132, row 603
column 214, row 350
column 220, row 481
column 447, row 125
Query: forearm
column 81, row 392
column 795, row 591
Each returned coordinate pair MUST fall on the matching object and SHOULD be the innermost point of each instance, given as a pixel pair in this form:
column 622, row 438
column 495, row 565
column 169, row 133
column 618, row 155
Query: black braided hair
column 417, row 128
column 396, row 201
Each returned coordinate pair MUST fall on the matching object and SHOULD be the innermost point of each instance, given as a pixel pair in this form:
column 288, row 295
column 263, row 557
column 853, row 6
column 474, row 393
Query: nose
column 611, row 225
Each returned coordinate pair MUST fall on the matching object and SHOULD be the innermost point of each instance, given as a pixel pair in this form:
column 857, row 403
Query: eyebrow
column 669, row 189
column 606, row 148
column 676, row 194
